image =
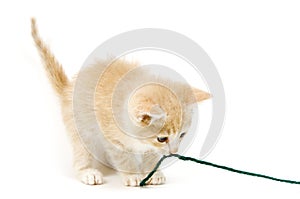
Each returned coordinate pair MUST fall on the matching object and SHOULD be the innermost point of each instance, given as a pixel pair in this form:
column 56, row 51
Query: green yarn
column 144, row 181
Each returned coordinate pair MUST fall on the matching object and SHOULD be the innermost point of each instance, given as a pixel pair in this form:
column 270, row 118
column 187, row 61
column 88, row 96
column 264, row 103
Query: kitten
column 149, row 107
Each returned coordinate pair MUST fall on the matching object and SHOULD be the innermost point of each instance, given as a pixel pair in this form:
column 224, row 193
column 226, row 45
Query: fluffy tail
column 54, row 70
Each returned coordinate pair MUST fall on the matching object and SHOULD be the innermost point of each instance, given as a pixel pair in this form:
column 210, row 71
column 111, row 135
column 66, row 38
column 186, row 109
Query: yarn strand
column 184, row 158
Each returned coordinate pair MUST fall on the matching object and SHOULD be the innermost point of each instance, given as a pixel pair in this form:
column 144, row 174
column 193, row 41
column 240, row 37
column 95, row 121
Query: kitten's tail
column 54, row 70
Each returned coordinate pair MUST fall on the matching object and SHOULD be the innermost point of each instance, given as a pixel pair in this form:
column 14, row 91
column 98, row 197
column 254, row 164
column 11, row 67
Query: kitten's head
column 167, row 110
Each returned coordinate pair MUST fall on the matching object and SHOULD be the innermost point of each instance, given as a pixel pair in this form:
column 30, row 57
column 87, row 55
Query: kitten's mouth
column 168, row 151
column 172, row 152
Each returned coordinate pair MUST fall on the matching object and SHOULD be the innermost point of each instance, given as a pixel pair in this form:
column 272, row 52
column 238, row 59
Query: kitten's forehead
column 174, row 126
column 177, row 112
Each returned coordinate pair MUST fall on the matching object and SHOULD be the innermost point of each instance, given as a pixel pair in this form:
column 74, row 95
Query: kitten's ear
column 199, row 95
column 147, row 118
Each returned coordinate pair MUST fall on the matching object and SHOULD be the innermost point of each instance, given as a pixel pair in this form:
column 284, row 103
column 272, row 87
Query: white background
column 255, row 46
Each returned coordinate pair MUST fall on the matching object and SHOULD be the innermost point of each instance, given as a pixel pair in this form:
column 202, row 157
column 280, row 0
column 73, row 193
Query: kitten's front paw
column 134, row 180
column 90, row 176
column 157, row 178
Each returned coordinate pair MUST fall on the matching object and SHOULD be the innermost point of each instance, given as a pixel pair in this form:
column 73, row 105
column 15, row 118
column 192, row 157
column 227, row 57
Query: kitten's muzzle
column 172, row 149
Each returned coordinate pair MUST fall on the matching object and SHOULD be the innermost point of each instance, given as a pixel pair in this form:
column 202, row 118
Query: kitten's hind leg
column 90, row 176
column 85, row 167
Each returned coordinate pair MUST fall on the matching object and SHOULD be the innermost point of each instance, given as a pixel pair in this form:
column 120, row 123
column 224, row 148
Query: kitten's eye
column 162, row 139
column 182, row 135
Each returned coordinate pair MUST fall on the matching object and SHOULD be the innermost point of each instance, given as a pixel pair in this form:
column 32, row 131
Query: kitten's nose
column 172, row 151
column 172, row 148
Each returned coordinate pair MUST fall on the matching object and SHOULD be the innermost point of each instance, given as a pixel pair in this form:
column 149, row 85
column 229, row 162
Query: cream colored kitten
column 150, row 107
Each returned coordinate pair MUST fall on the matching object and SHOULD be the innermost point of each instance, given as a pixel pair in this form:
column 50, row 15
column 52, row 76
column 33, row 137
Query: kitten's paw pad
column 132, row 180
column 157, row 178
column 90, row 177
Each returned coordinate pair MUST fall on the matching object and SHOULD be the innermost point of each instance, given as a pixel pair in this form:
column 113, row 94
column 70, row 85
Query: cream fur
column 149, row 106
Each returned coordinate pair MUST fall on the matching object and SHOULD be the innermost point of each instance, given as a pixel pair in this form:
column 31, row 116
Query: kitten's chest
column 132, row 162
